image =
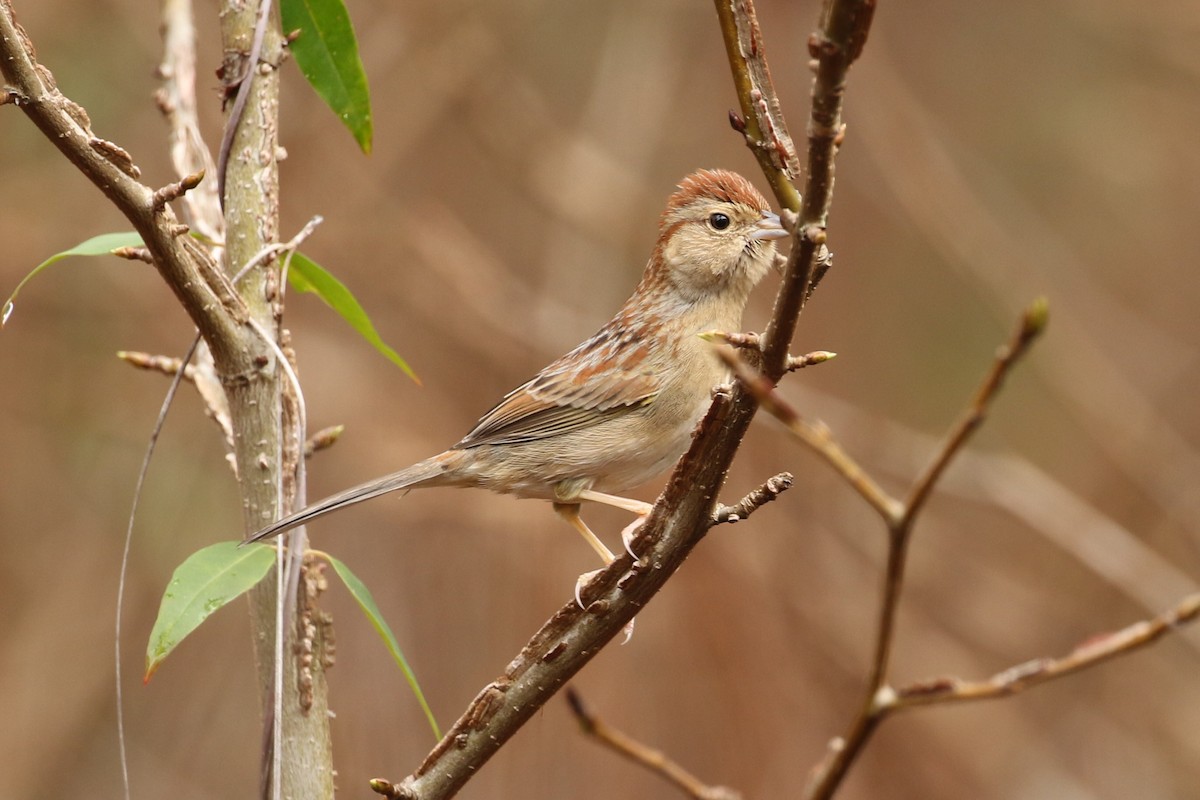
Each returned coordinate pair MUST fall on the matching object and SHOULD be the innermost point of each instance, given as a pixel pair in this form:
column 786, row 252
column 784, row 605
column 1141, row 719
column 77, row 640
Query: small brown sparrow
column 619, row 408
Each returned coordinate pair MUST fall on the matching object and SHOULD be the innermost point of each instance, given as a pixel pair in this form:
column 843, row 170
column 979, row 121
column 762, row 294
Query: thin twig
column 1091, row 652
column 828, row 775
column 814, row 434
column 1032, row 324
column 137, row 499
column 654, row 760
column 761, row 122
column 809, row 359
column 755, row 500
column 748, row 340
column 176, row 99
column 167, row 365
column 834, row 47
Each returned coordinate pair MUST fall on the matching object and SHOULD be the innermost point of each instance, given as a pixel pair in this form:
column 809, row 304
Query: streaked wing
column 602, row 377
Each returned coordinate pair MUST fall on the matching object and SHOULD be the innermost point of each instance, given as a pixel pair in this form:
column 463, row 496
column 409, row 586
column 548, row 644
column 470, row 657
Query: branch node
column 164, row 364
column 387, row 789
column 323, row 439
column 115, row 155
column 814, row 233
column 177, row 229
column 809, row 359
column 737, row 122
column 764, row 494
column 175, row 190
column 789, row 219
column 746, row 341
column 134, row 254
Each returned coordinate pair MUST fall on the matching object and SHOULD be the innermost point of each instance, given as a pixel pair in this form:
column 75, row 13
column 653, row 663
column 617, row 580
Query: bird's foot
column 629, row 533
column 582, row 581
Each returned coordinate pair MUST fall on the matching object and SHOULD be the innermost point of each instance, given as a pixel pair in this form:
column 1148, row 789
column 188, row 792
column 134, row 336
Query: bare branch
column 654, row 760
column 878, row 696
column 176, row 99
column 1032, row 323
column 574, row 635
column 1095, row 650
column 885, row 700
column 814, row 434
column 218, row 314
column 761, row 122
column 764, row 494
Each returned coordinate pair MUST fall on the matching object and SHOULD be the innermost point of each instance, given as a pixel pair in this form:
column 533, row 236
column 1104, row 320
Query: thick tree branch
column 214, row 307
column 574, row 635
column 267, row 451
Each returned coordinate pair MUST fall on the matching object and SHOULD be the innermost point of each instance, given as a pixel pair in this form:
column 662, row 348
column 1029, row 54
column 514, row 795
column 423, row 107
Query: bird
column 619, row 408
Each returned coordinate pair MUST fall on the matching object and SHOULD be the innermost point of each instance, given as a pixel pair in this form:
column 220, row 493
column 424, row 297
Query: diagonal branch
column 654, row 760
column 683, row 513
column 212, row 304
column 1095, row 650
column 828, row 775
column 1033, row 322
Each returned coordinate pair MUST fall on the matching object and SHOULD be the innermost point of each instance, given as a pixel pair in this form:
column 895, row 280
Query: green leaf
column 306, row 275
column 367, row 604
column 203, row 583
column 96, row 246
column 327, row 53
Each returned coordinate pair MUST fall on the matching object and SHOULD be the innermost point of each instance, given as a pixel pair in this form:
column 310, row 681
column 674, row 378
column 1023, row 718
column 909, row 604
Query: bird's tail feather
column 430, row 472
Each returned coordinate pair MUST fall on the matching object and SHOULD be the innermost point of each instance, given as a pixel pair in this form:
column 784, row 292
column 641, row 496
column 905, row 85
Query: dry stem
column 654, row 760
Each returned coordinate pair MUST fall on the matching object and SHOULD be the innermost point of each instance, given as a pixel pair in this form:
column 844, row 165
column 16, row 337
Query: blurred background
column 523, row 152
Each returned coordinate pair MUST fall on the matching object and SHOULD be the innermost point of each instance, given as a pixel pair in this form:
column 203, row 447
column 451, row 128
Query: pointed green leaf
column 367, row 603
column 306, row 275
column 96, row 246
column 203, row 583
column 327, row 53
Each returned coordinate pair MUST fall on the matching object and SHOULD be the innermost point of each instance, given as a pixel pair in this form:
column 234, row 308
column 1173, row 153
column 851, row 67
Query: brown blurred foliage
column 995, row 152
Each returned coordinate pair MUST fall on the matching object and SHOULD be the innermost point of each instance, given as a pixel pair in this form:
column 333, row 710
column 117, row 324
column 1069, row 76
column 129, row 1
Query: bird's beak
column 769, row 228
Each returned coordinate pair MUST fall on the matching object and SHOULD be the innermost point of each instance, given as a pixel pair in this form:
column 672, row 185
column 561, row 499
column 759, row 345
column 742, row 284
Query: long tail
column 430, row 472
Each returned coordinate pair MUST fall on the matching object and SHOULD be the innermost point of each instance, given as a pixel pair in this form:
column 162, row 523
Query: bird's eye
column 719, row 222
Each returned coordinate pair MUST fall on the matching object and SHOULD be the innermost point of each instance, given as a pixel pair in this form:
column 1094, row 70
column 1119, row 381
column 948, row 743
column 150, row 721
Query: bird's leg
column 635, row 506
column 570, row 512
column 629, row 504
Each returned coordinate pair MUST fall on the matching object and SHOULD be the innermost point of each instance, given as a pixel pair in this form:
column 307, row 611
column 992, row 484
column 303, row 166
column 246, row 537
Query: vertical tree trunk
column 261, row 403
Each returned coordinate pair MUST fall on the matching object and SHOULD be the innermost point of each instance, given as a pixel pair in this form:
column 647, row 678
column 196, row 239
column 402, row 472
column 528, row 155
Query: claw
column 629, row 533
column 582, row 581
